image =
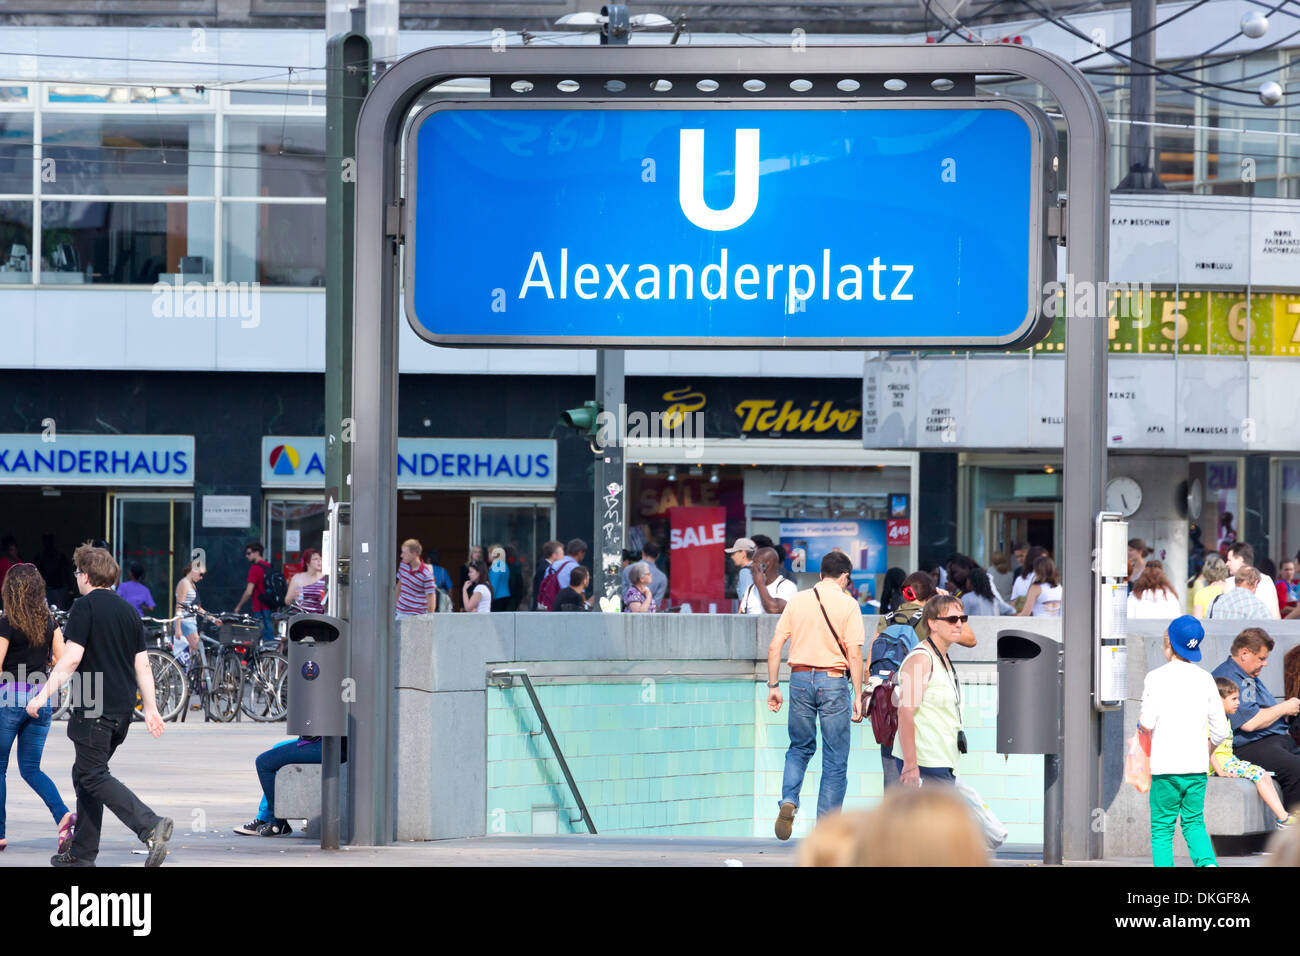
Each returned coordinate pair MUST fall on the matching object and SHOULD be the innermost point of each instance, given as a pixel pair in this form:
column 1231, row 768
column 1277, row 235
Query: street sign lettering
column 829, row 227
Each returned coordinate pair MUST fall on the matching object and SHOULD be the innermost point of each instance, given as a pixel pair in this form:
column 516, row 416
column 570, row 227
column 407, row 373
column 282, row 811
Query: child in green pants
column 1178, row 701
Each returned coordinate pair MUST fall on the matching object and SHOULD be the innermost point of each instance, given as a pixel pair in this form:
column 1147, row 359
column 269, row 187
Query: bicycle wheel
column 170, row 687
column 64, row 703
column 227, row 688
column 264, row 687
column 199, row 680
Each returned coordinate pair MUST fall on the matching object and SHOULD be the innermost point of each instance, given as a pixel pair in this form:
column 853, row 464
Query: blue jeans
column 942, row 774
column 281, row 755
column 814, row 695
column 268, row 632
column 30, row 733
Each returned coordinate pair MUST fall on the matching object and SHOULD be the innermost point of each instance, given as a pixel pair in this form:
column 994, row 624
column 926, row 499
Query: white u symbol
column 690, row 189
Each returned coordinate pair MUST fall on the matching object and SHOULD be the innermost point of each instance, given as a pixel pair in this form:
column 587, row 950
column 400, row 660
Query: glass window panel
column 125, row 95
column 123, row 243
column 130, row 154
column 16, row 242
column 1289, row 505
column 275, row 156
column 13, row 94
column 1175, row 148
column 279, row 98
column 275, row 244
column 16, row 153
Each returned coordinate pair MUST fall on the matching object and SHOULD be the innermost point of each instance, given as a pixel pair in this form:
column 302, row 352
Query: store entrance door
column 1007, row 524
column 294, row 523
column 155, row 532
column 525, row 523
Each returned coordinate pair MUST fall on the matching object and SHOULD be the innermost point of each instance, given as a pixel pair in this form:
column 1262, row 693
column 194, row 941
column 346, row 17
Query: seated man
column 298, row 750
column 1240, row 603
column 1259, row 726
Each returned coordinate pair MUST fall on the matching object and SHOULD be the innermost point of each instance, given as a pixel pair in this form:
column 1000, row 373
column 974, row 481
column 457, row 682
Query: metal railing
column 505, row 678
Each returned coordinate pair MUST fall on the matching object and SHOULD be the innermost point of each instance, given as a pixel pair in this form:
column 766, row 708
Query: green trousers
column 1175, row 795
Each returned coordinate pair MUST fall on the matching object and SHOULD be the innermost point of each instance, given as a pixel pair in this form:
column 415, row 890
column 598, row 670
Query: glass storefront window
column 1220, row 520
column 15, row 242
column 128, row 154
column 16, row 153
column 275, row 156
column 125, row 95
column 275, row 244
column 1288, row 508
column 123, row 243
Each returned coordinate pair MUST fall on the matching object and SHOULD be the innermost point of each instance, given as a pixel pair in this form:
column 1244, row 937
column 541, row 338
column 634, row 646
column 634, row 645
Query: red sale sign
column 698, row 537
column 898, row 531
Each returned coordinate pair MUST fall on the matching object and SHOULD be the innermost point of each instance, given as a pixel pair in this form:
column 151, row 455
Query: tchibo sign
column 504, row 464
column 53, row 458
column 721, row 227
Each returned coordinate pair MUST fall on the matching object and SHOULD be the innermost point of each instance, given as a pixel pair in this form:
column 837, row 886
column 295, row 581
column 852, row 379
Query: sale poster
column 898, row 532
column 697, row 537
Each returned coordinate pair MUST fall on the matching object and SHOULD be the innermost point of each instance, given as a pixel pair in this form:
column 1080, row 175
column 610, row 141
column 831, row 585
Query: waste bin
column 1029, row 693
column 318, row 665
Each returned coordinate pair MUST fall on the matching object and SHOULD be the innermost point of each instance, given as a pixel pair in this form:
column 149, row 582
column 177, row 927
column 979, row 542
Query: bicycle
column 170, row 683
column 246, row 678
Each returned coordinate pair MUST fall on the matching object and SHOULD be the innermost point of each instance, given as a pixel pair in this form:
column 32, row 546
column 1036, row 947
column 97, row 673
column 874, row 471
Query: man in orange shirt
column 824, row 628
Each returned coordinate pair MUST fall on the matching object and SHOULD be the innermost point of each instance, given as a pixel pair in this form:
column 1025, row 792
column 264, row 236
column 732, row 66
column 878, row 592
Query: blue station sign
column 908, row 225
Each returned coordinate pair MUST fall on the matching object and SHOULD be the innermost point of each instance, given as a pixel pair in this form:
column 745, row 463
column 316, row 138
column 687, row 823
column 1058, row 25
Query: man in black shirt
column 572, row 598
column 105, row 646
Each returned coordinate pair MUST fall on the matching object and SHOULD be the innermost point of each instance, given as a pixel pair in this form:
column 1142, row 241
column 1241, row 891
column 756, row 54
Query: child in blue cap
column 1178, row 701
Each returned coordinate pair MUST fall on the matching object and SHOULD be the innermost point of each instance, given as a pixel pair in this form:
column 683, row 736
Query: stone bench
column 297, row 794
column 1233, row 808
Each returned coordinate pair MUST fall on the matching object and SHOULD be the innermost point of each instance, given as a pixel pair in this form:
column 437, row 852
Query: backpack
column 274, row 586
column 893, row 644
column 549, row 589
column 888, row 650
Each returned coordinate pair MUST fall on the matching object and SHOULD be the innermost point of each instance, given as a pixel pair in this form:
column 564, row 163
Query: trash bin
column 1029, row 693
column 318, row 665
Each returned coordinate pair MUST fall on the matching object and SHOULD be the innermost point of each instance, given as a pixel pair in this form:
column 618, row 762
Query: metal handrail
column 504, row 678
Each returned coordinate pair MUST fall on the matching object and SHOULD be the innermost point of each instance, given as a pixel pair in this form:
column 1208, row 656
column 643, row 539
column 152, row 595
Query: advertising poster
column 806, row 542
column 697, row 536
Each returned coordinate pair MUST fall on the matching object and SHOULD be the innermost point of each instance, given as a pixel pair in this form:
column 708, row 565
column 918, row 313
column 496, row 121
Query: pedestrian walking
column 29, row 644
column 551, row 583
column 824, row 628
column 416, row 591
column 637, row 598
column 930, row 734
column 185, row 641
column 476, row 595
column 1179, row 701
column 499, row 578
column 979, row 596
column 1025, row 580
column 255, row 587
column 308, row 587
column 1152, row 596
column 1043, row 599
column 104, row 644
column 742, row 556
column 135, row 593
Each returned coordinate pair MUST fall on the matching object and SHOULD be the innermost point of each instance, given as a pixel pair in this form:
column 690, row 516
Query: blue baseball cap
column 1185, row 637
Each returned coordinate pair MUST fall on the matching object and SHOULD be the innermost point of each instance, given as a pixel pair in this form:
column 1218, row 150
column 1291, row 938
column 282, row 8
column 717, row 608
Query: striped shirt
column 416, row 586
column 312, row 597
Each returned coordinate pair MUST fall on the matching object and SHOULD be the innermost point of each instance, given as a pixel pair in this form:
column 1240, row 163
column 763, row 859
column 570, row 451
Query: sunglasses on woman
column 956, row 618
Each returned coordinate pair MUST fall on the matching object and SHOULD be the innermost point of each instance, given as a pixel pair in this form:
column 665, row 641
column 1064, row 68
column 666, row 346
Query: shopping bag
column 1137, row 764
column 995, row 834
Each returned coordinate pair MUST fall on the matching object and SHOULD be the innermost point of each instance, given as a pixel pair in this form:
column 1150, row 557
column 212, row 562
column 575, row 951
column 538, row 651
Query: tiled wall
column 703, row 758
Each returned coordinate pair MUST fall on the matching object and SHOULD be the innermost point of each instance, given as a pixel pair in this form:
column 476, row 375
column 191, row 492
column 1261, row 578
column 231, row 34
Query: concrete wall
column 1127, row 818
column 648, row 711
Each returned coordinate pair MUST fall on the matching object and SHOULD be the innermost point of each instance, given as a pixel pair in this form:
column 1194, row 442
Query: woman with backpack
column 930, row 735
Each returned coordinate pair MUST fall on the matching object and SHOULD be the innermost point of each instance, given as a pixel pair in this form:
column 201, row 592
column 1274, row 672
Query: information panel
column 920, row 223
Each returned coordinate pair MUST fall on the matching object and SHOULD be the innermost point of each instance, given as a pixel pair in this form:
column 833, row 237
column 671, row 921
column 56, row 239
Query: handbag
column 995, row 834
column 1137, row 763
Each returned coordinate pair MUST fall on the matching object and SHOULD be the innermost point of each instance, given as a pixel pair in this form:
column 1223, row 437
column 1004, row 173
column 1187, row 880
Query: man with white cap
column 742, row 556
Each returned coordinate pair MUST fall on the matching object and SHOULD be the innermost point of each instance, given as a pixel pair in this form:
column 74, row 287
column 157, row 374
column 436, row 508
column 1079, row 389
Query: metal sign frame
column 378, row 234
column 1041, row 251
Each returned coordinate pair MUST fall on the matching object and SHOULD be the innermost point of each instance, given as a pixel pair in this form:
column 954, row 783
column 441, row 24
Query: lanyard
column 952, row 674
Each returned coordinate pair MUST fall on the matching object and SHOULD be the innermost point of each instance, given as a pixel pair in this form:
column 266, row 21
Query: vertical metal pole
column 329, row 792
column 1085, row 476
column 1142, row 16
column 609, row 471
column 346, row 84
column 1053, row 786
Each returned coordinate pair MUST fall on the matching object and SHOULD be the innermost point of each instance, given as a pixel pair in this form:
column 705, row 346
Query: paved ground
column 202, row 776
